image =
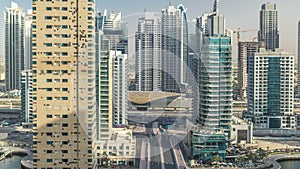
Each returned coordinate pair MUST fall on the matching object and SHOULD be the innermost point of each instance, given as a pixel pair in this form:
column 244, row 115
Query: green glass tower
column 215, row 77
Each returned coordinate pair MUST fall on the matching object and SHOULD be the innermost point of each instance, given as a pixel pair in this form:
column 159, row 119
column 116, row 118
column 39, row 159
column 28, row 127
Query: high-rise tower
column 174, row 48
column 268, row 26
column 63, row 83
column 215, row 77
column 298, row 59
column 14, row 46
column 271, row 89
column 28, row 41
column 245, row 50
column 119, row 87
column 148, row 53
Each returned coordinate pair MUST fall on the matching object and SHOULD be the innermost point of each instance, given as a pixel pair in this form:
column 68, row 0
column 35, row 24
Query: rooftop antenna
column 216, row 7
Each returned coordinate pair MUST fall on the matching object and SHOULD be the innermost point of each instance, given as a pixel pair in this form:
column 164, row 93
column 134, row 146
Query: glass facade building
column 207, row 145
column 215, row 88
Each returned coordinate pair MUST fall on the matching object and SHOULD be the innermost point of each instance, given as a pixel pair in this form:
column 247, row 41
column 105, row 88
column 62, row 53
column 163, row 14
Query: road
column 155, row 156
column 154, row 150
column 169, row 158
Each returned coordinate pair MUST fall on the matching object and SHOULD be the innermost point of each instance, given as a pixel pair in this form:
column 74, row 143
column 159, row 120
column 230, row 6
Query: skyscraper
column 119, row 87
column 298, row 59
column 63, row 84
column 100, row 20
column 174, row 48
column 215, row 77
column 268, row 26
column 26, row 96
column 114, row 29
column 245, row 50
column 14, row 46
column 148, row 53
column 271, row 89
column 28, row 39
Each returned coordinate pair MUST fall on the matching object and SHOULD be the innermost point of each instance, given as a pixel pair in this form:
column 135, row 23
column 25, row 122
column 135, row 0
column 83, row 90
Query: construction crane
column 239, row 31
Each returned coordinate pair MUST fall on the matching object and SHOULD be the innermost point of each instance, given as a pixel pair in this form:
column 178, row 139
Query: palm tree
column 217, row 159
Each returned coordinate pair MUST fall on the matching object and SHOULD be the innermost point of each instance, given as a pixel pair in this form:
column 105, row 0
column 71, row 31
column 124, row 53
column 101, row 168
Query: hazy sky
column 239, row 13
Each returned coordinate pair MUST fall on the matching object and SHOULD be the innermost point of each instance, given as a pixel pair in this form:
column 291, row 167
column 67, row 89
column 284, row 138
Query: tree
column 217, row 159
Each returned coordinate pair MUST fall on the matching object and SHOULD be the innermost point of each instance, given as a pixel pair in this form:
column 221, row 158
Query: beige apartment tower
column 63, row 84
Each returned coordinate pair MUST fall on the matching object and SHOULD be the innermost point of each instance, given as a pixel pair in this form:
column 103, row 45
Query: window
column 64, row 116
column 48, row 26
column 64, row 26
column 64, row 53
column 48, row 17
column 64, row 35
column 49, row 160
column 48, row 80
column 48, row 53
column 49, row 89
column 48, row 98
column 65, row 125
column 49, row 142
column 49, row 116
column 49, row 125
column 64, row 62
column 64, row 151
column 64, row 8
column 64, row 160
column 48, row 8
column 64, row 45
column 64, row 98
column 48, row 44
column 65, row 80
column 48, row 35
column 64, row 18
column 64, row 134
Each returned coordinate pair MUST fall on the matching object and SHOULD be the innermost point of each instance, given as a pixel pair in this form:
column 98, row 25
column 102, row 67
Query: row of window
column 53, row 98
column 59, row 26
column 50, row 53
column 57, row 116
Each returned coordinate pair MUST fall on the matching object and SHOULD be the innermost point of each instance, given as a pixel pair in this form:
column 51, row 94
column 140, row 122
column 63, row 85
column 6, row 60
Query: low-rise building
column 241, row 131
column 118, row 150
column 206, row 144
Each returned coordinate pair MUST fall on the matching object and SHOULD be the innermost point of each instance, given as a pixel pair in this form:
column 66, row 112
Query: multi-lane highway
column 155, row 151
column 169, row 159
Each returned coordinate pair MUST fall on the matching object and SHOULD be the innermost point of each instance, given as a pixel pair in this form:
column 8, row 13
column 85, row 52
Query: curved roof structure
column 143, row 97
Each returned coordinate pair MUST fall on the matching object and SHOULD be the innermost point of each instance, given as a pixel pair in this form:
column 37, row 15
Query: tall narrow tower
column 174, row 48
column 28, row 41
column 14, row 46
column 63, row 84
column 268, row 26
column 148, row 53
column 298, row 59
column 215, row 77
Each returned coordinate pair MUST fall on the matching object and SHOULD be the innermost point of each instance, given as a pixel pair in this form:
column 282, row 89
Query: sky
column 241, row 14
